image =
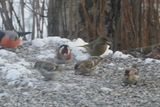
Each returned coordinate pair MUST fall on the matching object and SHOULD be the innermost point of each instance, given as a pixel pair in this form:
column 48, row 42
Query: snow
column 38, row 43
column 57, row 86
column 2, row 61
column 4, row 94
column 111, row 64
column 17, row 69
column 5, row 53
column 105, row 89
column 25, row 93
column 30, row 84
column 157, row 61
column 119, row 54
column 148, row 60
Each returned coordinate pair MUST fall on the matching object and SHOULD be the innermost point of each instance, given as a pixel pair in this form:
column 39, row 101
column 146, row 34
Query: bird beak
column 126, row 77
column 109, row 43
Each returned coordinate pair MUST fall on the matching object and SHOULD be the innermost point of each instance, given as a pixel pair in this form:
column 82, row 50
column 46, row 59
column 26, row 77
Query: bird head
column 127, row 73
column 37, row 64
column 64, row 50
column 157, row 47
column 104, row 40
column 11, row 35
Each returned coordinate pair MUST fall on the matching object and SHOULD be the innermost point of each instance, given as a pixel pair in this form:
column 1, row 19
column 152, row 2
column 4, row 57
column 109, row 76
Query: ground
column 21, row 85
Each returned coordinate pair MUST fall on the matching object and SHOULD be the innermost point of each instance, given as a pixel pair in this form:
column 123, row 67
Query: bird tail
column 23, row 33
column 83, row 46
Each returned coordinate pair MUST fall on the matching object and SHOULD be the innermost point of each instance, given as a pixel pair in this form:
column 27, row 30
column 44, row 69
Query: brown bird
column 50, row 71
column 155, row 53
column 142, row 52
column 98, row 46
column 11, row 39
column 63, row 54
column 131, row 76
column 87, row 66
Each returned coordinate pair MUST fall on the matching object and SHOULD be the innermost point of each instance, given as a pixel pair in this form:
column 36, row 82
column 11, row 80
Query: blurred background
column 128, row 23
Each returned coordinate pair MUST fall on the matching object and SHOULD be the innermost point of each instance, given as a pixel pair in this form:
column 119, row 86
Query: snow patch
column 105, row 89
column 119, row 54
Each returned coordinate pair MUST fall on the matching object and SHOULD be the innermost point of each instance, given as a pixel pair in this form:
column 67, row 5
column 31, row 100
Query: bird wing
column 86, row 46
column 152, row 54
column 49, row 68
column 90, row 45
column 89, row 64
column 23, row 33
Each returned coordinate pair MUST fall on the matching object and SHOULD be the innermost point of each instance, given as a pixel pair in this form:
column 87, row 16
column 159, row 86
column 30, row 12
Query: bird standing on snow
column 87, row 66
column 50, row 71
column 11, row 39
column 63, row 54
column 98, row 46
column 131, row 76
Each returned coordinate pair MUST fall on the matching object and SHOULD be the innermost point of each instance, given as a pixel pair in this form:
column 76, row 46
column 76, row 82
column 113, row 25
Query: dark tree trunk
column 53, row 18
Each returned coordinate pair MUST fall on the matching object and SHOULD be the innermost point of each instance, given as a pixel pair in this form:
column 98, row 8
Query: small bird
column 87, row 66
column 155, row 53
column 142, row 52
column 98, row 46
column 63, row 54
column 50, row 71
column 131, row 76
column 11, row 39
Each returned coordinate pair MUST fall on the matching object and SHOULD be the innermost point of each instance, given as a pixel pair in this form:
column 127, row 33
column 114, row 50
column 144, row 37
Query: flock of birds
column 52, row 70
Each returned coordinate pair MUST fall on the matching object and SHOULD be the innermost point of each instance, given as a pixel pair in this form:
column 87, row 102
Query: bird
column 63, row 54
column 87, row 66
column 49, row 70
column 98, row 46
column 142, row 52
column 155, row 53
column 131, row 76
column 11, row 39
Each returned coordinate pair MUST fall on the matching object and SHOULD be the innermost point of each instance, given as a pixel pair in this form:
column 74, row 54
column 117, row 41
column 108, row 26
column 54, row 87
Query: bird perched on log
column 87, row 66
column 98, row 46
column 131, row 76
column 50, row 71
column 63, row 54
column 11, row 39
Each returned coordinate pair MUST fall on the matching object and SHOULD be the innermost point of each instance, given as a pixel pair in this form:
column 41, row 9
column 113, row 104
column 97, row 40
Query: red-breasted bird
column 49, row 70
column 87, row 66
column 131, row 76
column 63, row 54
column 98, row 46
column 11, row 39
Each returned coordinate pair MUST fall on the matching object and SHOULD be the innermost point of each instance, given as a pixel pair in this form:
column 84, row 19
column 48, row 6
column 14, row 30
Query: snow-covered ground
column 16, row 67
